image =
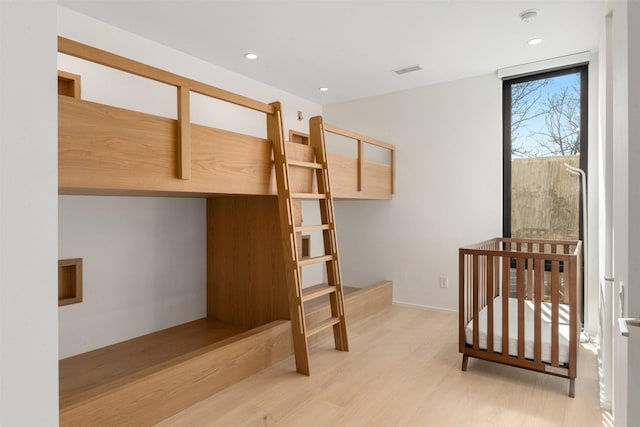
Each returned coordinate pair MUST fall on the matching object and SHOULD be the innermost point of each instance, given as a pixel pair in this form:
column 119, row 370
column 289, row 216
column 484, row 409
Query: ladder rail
column 289, row 241
column 334, row 275
column 289, row 230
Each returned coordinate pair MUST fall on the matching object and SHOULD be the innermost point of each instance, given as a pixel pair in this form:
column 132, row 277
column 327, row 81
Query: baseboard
column 423, row 307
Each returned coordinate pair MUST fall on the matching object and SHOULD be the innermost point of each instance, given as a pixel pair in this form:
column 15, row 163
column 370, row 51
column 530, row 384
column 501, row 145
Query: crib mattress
column 563, row 329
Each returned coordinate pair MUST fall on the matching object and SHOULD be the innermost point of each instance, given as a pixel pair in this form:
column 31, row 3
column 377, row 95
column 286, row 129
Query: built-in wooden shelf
column 306, row 246
column 68, row 84
column 69, row 281
column 298, row 137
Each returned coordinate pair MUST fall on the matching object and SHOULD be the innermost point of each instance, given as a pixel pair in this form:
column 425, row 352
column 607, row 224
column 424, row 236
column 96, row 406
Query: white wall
column 145, row 258
column 593, row 271
column 620, row 201
column 633, row 354
column 28, row 229
column 144, row 262
column 448, row 183
column 605, row 189
column 626, row 204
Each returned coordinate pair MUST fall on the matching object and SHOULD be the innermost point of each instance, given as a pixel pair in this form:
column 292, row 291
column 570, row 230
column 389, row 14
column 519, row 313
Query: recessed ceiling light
column 534, row 42
column 250, row 55
column 324, row 89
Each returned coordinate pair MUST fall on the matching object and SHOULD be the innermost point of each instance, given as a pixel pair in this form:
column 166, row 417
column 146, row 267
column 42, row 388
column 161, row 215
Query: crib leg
column 572, row 387
column 465, row 359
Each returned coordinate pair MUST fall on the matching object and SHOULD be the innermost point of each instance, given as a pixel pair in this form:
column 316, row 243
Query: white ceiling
column 352, row 46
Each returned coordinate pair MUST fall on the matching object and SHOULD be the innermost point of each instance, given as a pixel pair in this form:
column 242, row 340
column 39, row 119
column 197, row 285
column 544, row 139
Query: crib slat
column 470, row 287
column 520, row 295
column 537, row 322
column 565, row 277
column 529, row 294
column 555, row 301
column 476, row 336
column 496, row 279
column 573, row 316
column 462, row 297
column 490, row 303
column 506, row 278
column 482, row 284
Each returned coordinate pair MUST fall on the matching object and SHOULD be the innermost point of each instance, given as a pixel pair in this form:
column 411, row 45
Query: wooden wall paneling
column 103, row 148
column 110, row 150
column 107, row 147
column 377, row 182
column 224, row 162
column 220, row 262
column 343, row 173
column 245, row 273
column 376, row 178
column 301, row 179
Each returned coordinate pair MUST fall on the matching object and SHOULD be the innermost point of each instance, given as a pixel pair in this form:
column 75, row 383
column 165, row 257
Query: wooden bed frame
column 106, row 150
column 535, row 272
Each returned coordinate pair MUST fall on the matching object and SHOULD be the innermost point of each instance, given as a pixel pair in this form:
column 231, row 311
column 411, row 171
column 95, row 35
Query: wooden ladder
column 333, row 288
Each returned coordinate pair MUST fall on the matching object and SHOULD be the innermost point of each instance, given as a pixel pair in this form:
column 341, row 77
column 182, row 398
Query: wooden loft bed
column 109, row 150
column 106, row 150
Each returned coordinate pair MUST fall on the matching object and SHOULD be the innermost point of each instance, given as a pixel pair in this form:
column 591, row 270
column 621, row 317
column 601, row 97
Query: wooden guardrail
column 361, row 140
column 183, row 85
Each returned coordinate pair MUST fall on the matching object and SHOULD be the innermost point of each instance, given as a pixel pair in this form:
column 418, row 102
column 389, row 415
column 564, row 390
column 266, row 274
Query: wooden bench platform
column 146, row 379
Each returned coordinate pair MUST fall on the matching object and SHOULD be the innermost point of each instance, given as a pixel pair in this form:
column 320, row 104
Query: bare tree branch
column 561, row 111
column 562, row 120
column 524, row 97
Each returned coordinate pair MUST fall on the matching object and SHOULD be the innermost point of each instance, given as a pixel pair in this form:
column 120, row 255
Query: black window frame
column 583, row 70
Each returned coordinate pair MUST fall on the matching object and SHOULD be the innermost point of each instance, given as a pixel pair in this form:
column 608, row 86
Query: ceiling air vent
column 409, row 69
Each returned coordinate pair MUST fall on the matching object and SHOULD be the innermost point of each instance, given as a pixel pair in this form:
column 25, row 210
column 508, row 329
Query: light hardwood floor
column 403, row 369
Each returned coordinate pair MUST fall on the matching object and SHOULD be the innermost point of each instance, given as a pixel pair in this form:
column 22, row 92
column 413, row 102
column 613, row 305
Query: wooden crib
column 523, row 295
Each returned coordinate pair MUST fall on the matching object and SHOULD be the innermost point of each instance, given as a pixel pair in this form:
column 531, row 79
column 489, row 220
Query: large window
column 545, row 129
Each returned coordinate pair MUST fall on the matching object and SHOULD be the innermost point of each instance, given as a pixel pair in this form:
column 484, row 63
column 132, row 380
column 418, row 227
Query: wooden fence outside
column 545, row 198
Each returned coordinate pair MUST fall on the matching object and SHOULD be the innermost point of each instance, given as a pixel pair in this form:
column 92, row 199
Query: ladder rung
column 327, row 323
column 308, row 196
column 302, row 164
column 315, row 260
column 305, row 228
column 317, row 293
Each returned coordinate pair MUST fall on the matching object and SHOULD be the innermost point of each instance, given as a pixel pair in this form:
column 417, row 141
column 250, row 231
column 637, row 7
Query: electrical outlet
column 444, row 282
